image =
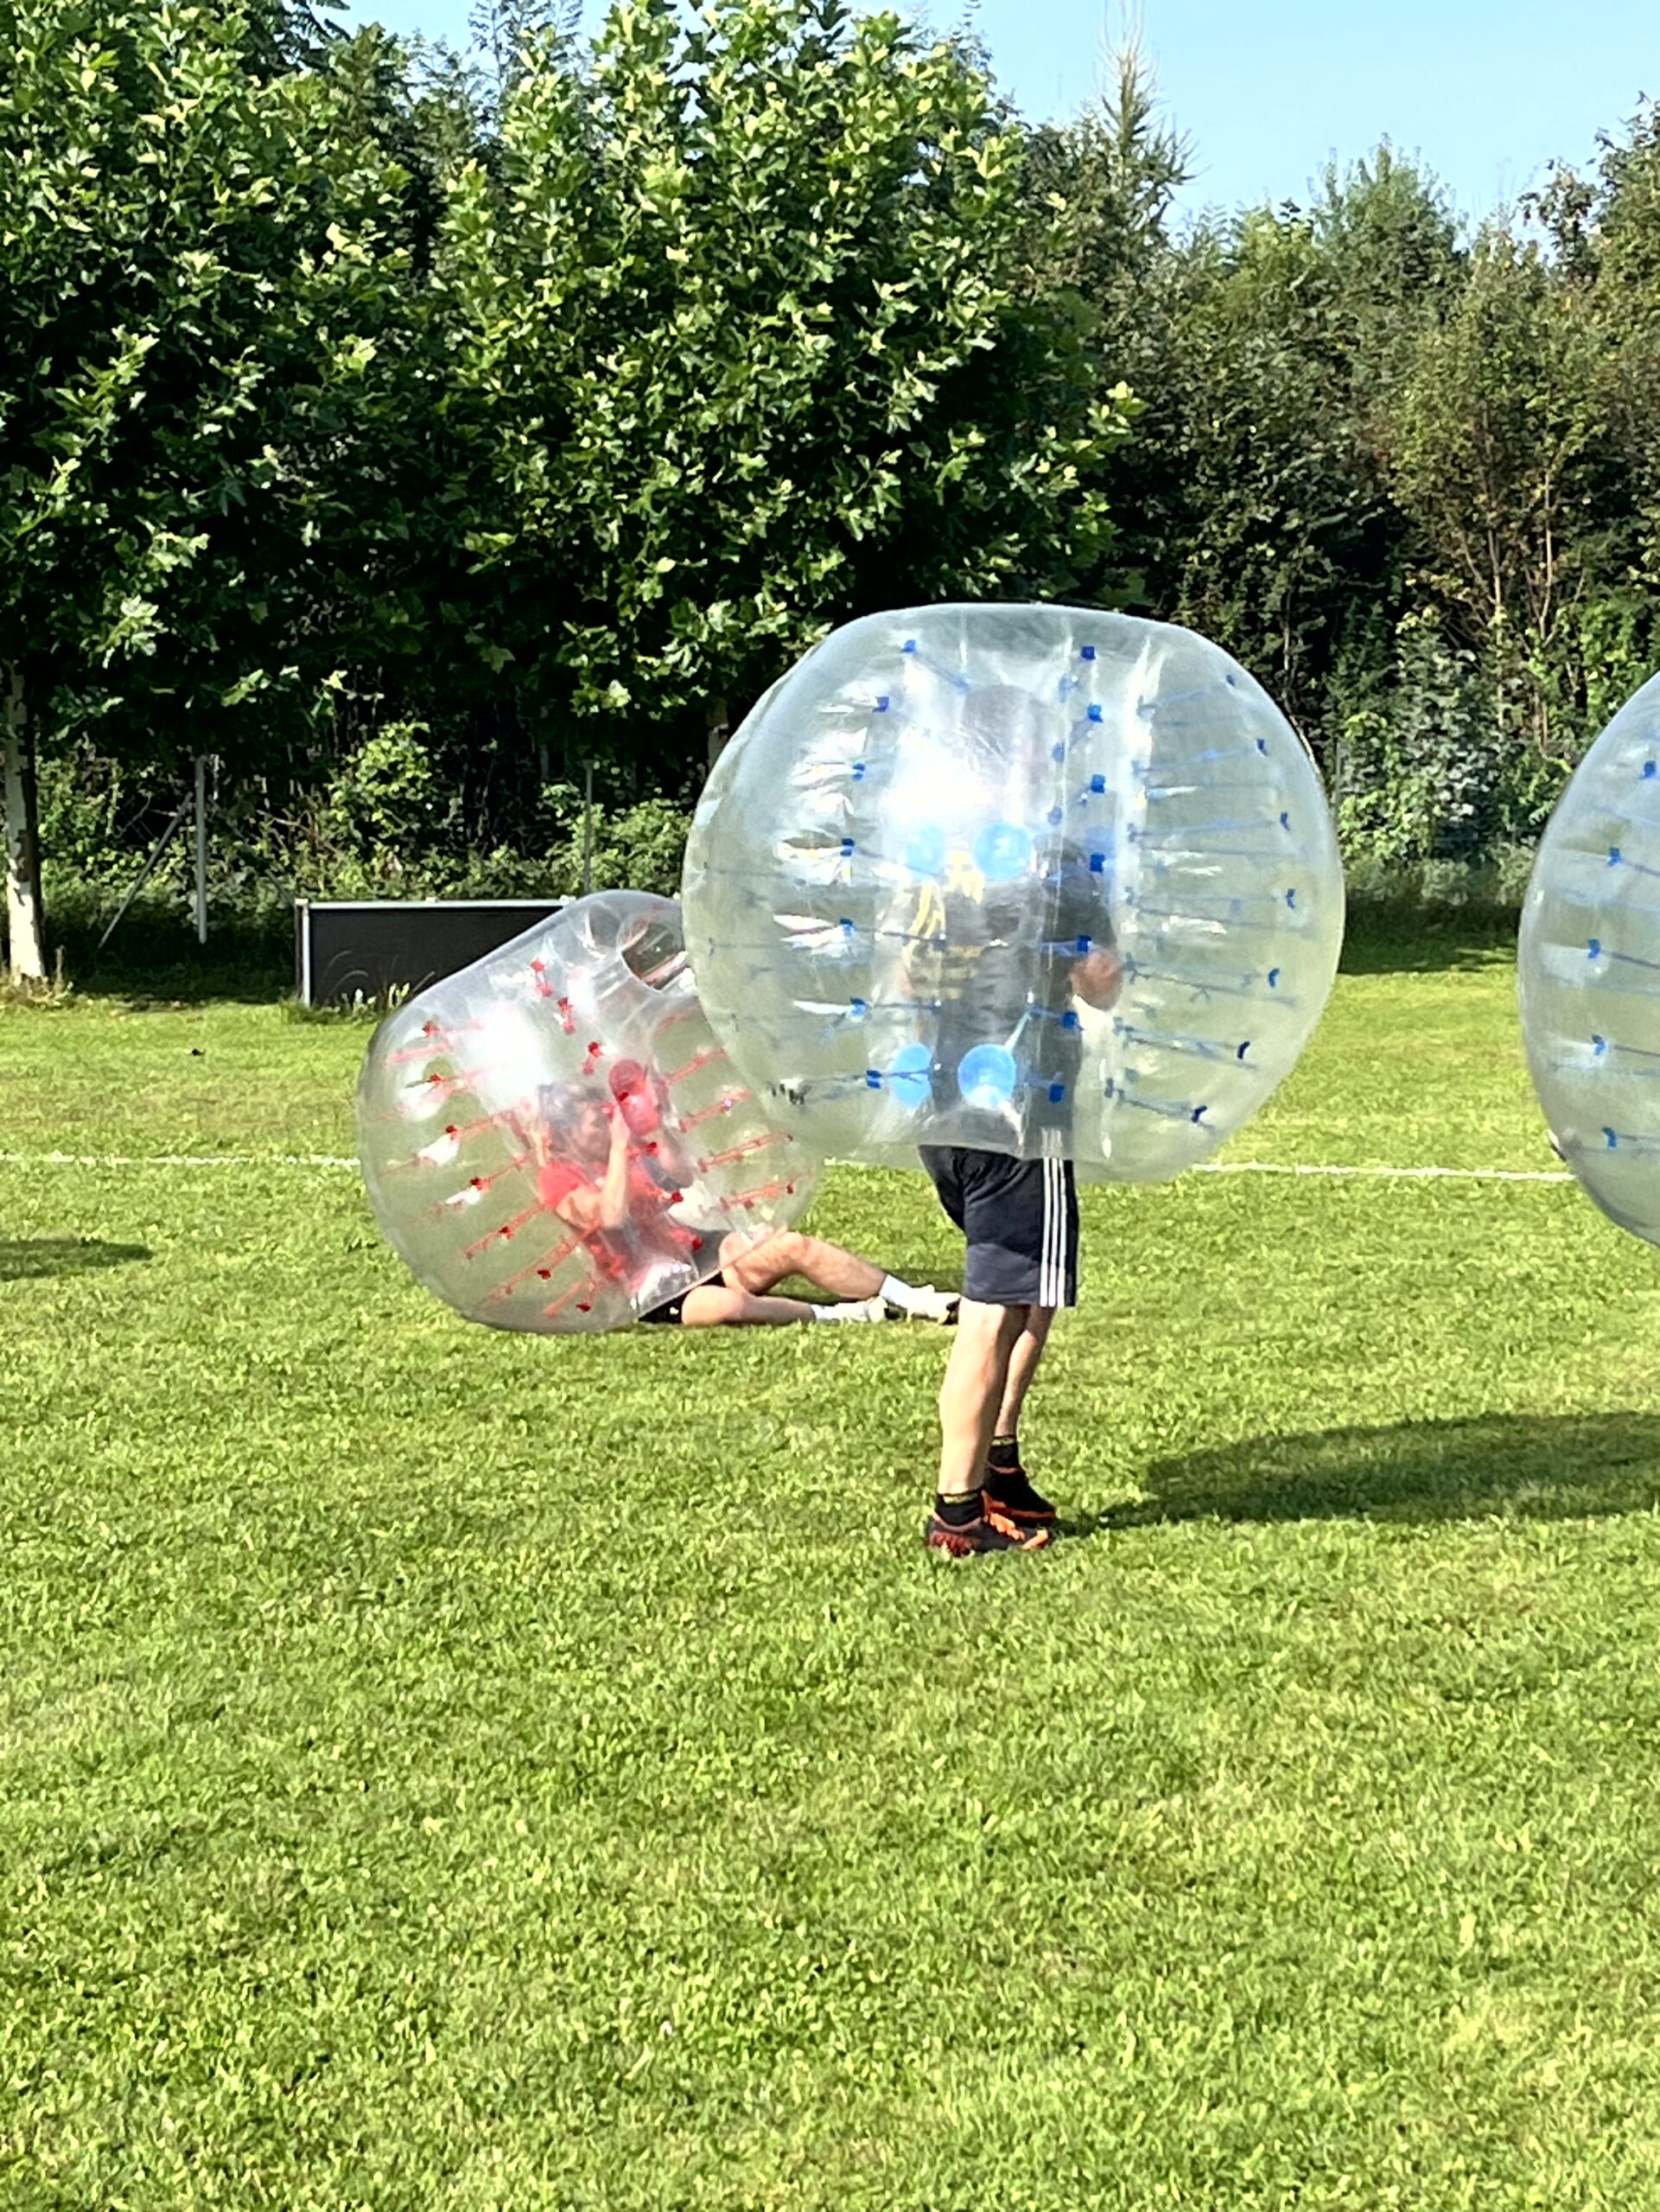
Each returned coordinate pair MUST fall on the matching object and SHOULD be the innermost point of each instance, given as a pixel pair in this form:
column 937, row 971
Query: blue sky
column 1487, row 92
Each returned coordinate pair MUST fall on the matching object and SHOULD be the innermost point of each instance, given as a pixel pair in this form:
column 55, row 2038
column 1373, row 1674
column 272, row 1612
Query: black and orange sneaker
column 1008, row 1493
column 961, row 1532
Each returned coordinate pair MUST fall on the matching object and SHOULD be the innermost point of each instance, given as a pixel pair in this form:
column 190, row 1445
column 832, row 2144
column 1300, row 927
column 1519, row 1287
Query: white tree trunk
column 23, row 929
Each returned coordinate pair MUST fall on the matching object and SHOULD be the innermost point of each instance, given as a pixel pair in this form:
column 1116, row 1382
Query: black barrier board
column 347, row 951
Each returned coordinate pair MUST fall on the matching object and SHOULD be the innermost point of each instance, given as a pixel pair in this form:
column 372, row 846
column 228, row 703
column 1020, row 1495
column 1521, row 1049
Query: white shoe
column 854, row 1309
column 928, row 1303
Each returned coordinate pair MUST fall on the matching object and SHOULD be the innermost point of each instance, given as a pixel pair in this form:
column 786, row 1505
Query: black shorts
column 1021, row 1219
column 672, row 1310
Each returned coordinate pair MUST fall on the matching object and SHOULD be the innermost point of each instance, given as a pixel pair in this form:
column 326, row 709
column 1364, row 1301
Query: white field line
column 1390, row 1174
column 175, row 1159
column 338, row 1160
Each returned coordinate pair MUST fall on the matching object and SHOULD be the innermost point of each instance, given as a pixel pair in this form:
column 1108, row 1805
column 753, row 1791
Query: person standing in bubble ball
column 608, row 1176
column 1003, row 962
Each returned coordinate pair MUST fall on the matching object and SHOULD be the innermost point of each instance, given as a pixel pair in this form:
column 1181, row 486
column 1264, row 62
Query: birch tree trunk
column 23, row 929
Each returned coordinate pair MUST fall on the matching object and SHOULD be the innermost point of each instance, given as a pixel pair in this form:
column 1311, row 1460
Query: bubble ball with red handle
column 555, row 1139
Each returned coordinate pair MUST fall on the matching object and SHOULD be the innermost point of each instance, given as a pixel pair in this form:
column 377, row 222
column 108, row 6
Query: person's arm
column 590, row 1206
column 581, row 1209
column 611, row 1209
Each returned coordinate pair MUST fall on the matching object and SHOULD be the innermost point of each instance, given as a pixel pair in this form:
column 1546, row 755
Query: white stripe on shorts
column 1052, row 1271
column 1051, row 1279
column 1048, row 1231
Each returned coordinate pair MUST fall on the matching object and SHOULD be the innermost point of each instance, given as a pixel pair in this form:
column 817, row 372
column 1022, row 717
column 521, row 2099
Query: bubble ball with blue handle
column 1589, row 966
column 929, row 846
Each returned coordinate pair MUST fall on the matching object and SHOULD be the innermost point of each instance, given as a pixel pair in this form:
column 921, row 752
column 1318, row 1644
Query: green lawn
column 450, row 1771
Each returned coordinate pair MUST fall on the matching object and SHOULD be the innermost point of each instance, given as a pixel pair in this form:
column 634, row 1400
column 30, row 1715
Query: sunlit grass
column 443, row 1769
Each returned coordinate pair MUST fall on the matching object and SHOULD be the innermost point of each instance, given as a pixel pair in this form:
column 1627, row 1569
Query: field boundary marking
column 335, row 1161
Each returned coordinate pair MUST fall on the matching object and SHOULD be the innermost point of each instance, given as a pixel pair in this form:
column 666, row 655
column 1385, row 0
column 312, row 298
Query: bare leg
column 1022, row 1366
column 713, row 1305
column 977, row 1375
column 756, row 1268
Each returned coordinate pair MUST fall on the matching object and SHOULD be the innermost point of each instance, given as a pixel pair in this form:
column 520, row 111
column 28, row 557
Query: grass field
column 450, row 1771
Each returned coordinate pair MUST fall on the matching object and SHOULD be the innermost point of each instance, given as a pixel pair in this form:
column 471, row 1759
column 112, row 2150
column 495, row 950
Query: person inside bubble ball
column 596, row 1175
column 1003, row 962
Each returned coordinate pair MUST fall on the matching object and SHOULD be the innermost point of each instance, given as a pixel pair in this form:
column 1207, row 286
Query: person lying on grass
column 598, row 1179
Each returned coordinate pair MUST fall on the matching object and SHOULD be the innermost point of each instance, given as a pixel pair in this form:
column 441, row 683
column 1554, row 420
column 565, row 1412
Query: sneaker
column 855, row 1309
column 1008, row 1493
column 989, row 1533
column 928, row 1303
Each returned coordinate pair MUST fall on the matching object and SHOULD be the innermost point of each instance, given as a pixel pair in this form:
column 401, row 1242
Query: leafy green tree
column 1110, row 175
column 1495, row 459
column 746, row 308
column 202, row 283
column 1603, row 256
column 1255, row 494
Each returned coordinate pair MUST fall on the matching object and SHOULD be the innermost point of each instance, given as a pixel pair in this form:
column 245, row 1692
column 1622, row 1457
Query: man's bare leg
column 713, row 1305
column 756, row 1268
column 1008, row 1488
column 976, row 1376
column 738, row 1297
column 1022, row 1366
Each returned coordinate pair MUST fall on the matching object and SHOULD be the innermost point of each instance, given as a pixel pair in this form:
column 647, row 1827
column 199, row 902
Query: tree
column 1602, row 235
column 1495, row 433
column 745, row 308
column 1255, row 493
column 201, row 285
column 1111, row 176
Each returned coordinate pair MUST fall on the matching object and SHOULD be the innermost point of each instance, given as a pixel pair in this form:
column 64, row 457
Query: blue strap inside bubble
column 988, row 1076
column 908, row 1075
column 1002, row 850
column 925, row 849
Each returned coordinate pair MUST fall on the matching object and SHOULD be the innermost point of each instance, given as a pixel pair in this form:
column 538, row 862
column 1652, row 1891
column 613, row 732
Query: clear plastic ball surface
column 553, row 1139
column 1037, row 879
column 1589, row 968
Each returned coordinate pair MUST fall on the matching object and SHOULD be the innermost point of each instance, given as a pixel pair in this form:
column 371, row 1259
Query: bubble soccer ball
column 1589, row 966
column 553, row 1139
column 1032, row 879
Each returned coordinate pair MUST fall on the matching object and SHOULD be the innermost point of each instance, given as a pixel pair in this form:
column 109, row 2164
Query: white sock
column 899, row 1293
column 859, row 1310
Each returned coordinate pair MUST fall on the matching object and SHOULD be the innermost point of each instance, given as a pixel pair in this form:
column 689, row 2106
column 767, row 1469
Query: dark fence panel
column 347, row 949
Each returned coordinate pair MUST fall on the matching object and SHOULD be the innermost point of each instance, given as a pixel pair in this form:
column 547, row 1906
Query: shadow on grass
column 1390, row 936
column 247, row 972
column 1534, row 1467
column 24, row 1259
column 154, row 960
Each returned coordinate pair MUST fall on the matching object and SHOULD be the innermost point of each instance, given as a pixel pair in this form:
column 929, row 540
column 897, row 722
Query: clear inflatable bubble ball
column 1589, row 969
column 553, row 1139
column 1035, row 880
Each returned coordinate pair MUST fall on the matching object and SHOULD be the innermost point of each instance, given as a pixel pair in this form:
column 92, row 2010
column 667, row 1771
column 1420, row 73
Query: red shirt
column 643, row 1237
column 556, row 1178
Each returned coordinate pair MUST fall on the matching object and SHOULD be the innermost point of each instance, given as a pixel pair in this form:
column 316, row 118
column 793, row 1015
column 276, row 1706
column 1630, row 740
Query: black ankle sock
column 958, row 1512
column 1005, row 1454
